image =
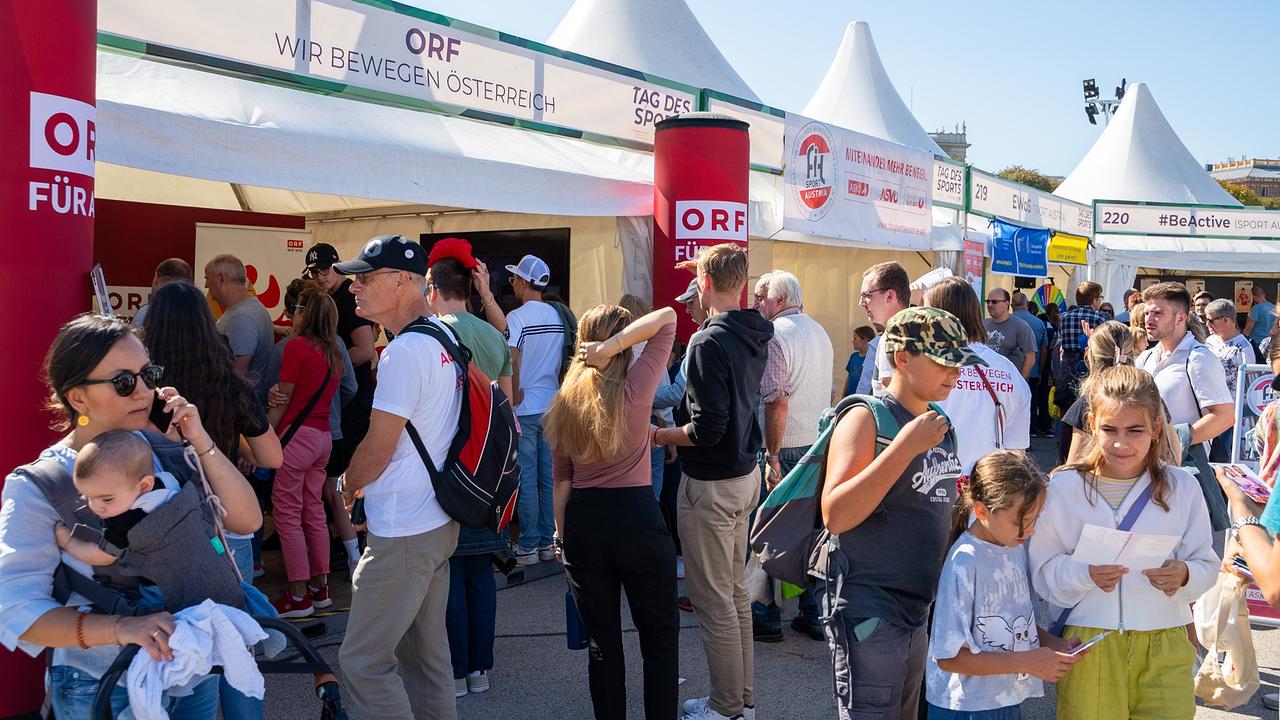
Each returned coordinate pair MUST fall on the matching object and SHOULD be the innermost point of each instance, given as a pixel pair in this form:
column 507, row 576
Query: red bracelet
column 80, row 631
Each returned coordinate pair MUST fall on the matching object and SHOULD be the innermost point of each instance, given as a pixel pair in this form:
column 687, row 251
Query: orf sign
column 701, row 169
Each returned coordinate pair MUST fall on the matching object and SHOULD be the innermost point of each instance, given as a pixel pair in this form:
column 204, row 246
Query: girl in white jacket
column 1143, row 669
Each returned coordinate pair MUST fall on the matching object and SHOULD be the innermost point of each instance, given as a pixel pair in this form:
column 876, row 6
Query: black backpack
column 478, row 484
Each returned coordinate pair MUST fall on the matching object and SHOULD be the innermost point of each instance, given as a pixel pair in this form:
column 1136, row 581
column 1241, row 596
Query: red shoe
column 319, row 597
column 290, row 607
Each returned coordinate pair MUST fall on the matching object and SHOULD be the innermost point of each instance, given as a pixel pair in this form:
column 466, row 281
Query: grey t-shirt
column 1012, row 338
column 895, row 555
column 247, row 326
column 987, row 597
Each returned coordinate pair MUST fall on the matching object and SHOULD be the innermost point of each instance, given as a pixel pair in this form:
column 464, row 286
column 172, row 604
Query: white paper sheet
column 1136, row 551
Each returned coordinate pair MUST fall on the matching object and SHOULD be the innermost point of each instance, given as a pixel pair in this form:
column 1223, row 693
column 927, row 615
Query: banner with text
column 993, row 196
column 948, row 183
column 974, row 265
column 1120, row 218
column 271, row 256
column 395, row 52
column 1017, row 250
column 766, row 130
column 843, row 184
column 1068, row 249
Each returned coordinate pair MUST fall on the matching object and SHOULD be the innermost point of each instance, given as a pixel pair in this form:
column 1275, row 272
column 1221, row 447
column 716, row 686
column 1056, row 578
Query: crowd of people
column 641, row 463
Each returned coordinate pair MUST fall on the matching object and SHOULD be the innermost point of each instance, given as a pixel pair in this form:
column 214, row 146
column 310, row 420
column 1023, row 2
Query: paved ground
column 536, row 677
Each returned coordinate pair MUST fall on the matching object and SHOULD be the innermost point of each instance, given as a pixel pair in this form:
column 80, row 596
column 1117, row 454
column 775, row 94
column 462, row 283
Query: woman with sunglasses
column 100, row 379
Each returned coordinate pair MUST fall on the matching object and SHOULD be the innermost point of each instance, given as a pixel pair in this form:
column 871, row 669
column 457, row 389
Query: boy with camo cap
column 888, row 497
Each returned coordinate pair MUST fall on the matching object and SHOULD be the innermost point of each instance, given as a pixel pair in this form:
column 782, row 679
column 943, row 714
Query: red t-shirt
column 305, row 366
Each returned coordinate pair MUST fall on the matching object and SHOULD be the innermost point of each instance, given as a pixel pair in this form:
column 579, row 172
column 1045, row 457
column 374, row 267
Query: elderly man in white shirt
column 1193, row 387
column 1234, row 351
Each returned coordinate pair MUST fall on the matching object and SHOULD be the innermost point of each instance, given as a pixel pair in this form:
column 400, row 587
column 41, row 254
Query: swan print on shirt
column 939, row 470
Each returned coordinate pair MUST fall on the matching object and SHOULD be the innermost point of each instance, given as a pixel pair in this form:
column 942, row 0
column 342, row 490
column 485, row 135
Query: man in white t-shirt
column 535, row 332
column 1233, row 350
column 990, row 407
column 1191, row 384
column 395, row 643
column 886, row 290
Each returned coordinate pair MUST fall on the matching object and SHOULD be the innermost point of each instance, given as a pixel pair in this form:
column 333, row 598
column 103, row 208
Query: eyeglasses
column 996, row 302
column 126, row 382
column 867, row 295
column 364, row 278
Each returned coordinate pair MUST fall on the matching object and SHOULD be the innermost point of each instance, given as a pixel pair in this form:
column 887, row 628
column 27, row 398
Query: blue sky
column 1011, row 70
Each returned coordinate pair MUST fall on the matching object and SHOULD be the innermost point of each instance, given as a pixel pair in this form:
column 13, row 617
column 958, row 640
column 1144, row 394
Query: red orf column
column 48, row 52
column 701, row 167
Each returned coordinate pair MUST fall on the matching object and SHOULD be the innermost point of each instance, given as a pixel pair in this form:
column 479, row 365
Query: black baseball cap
column 321, row 256
column 391, row 252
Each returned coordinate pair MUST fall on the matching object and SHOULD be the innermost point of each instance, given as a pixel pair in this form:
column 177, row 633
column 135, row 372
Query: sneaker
column 478, row 681
column 547, row 553
column 764, row 633
column 290, row 607
column 679, row 568
column 527, row 557
column 259, row 571
column 459, row 687
column 700, row 709
column 320, row 598
column 804, row 628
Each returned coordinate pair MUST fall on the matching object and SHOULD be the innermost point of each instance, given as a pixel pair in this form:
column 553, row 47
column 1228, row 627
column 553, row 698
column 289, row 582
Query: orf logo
column 812, row 170
column 718, row 220
column 63, row 134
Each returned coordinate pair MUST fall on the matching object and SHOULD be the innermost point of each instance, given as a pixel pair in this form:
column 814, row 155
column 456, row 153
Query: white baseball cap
column 532, row 270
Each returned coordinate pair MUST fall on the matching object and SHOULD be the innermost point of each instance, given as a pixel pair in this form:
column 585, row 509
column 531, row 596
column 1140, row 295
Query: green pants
column 1144, row 675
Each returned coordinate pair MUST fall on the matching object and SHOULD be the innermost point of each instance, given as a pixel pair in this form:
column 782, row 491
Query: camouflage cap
column 932, row 332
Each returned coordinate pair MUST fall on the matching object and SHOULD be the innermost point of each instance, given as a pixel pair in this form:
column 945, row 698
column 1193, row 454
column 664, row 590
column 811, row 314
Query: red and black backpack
column 478, row 484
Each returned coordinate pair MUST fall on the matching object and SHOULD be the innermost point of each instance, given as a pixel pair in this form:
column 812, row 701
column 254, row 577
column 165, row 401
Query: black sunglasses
column 126, row 381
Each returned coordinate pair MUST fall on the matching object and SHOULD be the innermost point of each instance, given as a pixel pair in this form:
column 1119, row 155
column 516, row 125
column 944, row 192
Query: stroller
column 326, row 683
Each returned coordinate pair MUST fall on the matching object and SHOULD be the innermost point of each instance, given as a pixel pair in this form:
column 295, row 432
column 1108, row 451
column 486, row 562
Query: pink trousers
column 298, row 504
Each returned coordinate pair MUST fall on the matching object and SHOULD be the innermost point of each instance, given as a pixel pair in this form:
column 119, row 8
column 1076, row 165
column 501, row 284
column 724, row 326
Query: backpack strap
column 462, row 360
column 887, row 426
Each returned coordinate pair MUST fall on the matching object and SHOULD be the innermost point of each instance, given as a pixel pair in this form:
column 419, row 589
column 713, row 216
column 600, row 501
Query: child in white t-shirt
column 987, row 653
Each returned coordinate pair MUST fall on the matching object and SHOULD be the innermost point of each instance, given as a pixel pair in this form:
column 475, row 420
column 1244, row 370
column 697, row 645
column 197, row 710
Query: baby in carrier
column 152, row 531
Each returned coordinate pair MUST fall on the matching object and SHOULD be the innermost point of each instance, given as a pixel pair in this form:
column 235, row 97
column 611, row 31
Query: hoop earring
column 82, row 420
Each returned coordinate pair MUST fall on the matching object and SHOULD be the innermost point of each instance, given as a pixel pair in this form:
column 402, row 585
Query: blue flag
column 1016, row 250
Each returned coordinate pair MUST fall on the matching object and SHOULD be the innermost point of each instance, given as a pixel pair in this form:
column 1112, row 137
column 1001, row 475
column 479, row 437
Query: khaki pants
column 712, row 516
column 395, row 656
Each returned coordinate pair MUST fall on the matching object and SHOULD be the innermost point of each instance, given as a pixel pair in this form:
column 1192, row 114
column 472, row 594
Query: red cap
column 451, row 247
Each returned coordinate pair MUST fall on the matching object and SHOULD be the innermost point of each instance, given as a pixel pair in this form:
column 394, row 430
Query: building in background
column 1259, row 175
column 956, row 142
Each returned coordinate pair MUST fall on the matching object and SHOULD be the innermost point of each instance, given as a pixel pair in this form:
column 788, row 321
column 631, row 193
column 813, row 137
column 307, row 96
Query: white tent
column 857, row 94
column 1139, row 157
column 661, row 37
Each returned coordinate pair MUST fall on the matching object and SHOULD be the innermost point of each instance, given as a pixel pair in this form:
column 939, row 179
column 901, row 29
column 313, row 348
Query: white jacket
column 1135, row 604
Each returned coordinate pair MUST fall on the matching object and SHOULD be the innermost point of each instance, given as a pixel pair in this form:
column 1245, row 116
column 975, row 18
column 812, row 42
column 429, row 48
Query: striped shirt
column 1114, row 490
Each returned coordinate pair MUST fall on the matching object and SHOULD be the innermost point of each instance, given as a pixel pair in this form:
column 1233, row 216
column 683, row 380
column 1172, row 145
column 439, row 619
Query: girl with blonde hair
column 610, row 532
column 1143, row 667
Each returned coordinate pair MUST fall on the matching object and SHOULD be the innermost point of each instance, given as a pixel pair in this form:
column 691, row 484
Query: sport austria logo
column 813, row 170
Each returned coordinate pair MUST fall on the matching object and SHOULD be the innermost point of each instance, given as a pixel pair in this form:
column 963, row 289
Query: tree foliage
column 1029, row 177
column 1247, row 196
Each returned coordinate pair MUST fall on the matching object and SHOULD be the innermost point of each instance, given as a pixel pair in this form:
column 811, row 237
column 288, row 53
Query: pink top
column 631, row 467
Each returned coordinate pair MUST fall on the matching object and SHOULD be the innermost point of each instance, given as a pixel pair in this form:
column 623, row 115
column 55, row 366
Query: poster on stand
column 272, row 257
column 1253, row 393
column 843, row 184
column 974, row 263
column 1244, row 296
column 1017, row 250
column 1195, row 286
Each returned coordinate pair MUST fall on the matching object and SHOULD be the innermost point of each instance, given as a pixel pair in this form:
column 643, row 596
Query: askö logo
column 63, row 138
column 812, row 170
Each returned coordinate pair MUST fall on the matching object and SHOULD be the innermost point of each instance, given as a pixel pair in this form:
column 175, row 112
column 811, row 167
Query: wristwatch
column 1246, row 520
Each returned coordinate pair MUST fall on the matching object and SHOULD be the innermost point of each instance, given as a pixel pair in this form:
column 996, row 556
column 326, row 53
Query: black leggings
column 615, row 541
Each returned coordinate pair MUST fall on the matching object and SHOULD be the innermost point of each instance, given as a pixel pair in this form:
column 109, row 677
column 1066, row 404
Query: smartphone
column 160, row 417
column 1089, row 643
column 1240, row 564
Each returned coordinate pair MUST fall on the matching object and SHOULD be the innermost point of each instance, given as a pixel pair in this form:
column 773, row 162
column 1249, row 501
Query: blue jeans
column 234, row 703
column 72, row 691
column 472, row 613
column 1013, row 712
column 537, row 519
column 657, row 466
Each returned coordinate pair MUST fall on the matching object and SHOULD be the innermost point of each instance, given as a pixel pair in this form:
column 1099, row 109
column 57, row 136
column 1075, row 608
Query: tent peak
column 662, row 37
column 857, row 94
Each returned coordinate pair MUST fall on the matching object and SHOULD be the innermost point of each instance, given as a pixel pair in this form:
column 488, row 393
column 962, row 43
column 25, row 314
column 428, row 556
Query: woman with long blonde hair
column 610, row 533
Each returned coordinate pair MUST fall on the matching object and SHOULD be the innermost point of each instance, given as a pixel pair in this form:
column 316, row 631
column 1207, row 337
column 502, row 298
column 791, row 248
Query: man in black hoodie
column 718, row 437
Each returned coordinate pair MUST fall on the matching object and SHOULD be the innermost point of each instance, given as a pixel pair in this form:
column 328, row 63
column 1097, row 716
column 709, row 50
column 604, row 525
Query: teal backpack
column 789, row 538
